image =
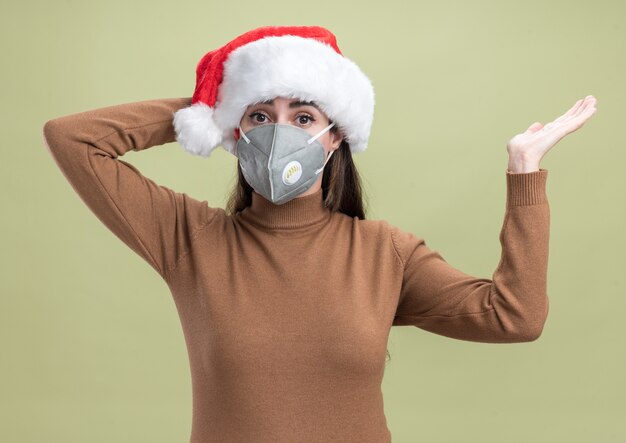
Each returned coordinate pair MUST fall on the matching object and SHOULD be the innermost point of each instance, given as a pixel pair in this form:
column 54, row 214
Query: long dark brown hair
column 341, row 187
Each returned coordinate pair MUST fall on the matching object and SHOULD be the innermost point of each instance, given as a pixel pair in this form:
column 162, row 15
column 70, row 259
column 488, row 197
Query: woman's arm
column 513, row 305
column 153, row 220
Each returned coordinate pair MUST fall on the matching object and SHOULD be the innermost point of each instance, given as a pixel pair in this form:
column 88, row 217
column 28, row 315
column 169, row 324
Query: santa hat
column 289, row 61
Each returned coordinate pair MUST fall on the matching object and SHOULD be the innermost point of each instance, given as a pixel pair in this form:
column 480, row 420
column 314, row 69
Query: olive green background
column 92, row 348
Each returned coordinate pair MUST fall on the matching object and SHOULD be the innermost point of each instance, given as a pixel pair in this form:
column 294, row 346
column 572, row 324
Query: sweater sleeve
column 153, row 220
column 510, row 307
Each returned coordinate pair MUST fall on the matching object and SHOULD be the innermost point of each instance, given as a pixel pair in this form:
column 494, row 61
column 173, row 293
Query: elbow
column 51, row 133
column 59, row 130
column 528, row 334
column 56, row 140
column 533, row 327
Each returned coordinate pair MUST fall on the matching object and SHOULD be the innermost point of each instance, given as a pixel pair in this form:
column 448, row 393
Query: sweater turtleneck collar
column 298, row 212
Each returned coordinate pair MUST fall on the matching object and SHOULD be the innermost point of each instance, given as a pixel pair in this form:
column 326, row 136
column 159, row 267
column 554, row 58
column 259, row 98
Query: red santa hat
column 288, row 61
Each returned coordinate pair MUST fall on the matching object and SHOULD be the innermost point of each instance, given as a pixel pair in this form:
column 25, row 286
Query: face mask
column 281, row 161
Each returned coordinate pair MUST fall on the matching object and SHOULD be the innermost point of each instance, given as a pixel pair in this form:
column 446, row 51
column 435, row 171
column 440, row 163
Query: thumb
column 534, row 127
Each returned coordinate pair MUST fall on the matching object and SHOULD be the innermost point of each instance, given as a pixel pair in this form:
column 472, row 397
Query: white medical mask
column 281, row 161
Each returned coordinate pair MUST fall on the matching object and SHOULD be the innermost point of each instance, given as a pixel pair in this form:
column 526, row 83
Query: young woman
column 287, row 298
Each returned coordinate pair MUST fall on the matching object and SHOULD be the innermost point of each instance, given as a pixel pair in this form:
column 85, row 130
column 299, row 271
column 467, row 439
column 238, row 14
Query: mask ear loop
column 327, row 158
column 322, row 132
column 312, row 139
column 243, row 135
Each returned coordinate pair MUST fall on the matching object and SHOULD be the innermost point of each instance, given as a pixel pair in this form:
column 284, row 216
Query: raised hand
column 528, row 148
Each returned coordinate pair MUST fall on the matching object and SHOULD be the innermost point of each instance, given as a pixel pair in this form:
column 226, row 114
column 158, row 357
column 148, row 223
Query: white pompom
column 196, row 130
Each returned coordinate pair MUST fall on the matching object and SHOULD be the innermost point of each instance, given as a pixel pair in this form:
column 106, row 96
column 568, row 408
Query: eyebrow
column 295, row 104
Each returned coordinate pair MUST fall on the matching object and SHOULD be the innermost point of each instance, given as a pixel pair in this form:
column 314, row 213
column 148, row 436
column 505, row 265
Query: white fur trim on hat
column 196, row 130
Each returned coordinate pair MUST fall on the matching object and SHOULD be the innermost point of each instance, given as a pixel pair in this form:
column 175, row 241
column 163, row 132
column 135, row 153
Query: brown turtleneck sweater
column 286, row 309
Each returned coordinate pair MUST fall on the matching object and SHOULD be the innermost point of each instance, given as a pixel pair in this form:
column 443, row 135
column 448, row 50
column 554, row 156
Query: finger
column 571, row 110
column 577, row 121
column 589, row 102
column 574, row 108
column 584, row 116
column 580, row 110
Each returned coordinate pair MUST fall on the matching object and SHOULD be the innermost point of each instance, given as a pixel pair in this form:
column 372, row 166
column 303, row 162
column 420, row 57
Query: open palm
column 537, row 140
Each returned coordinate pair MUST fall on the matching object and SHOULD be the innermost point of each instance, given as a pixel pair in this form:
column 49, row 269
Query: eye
column 307, row 117
column 258, row 114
